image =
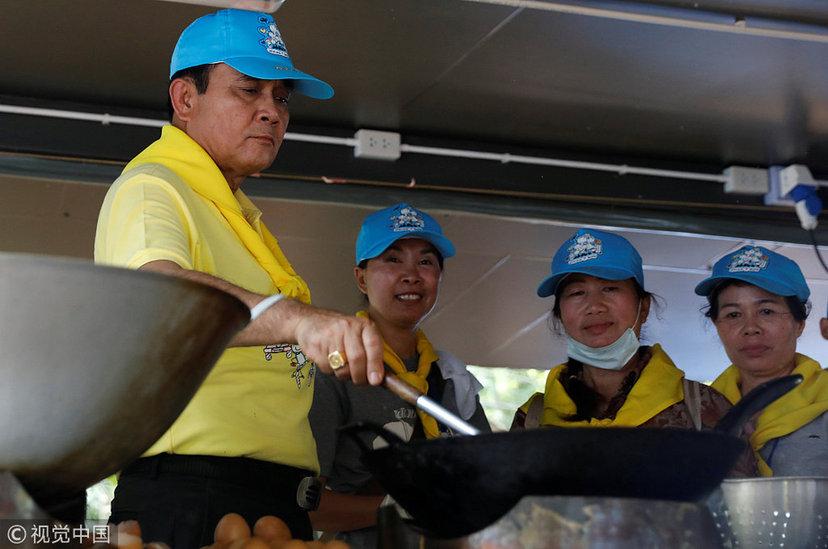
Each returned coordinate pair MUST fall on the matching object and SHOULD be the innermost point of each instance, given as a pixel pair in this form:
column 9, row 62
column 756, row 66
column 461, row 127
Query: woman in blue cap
column 399, row 266
column 758, row 301
column 610, row 379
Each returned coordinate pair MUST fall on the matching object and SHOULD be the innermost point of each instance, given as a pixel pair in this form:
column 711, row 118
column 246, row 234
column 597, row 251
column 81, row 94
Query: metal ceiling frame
column 715, row 16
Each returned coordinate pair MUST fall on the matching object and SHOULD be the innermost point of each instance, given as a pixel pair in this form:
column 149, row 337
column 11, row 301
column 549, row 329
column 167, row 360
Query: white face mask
column 610, row 357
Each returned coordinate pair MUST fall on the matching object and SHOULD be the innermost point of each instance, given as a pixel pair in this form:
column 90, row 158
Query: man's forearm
column 264, row 332
column 317, row 331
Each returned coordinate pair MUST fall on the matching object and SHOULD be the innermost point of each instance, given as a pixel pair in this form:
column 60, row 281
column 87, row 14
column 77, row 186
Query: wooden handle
column 401, row 388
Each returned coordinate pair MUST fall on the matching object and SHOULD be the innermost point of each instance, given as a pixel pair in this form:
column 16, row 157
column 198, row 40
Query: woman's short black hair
column 799, row 309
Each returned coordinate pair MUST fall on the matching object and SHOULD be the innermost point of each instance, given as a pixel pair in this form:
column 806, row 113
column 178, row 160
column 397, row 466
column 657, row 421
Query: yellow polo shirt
column 255, row 401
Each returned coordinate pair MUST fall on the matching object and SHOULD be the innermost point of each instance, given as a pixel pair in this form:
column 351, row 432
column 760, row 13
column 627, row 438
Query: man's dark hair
column 200, row 75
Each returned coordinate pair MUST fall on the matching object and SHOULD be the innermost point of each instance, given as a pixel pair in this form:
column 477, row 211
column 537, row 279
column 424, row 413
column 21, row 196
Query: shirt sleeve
column 143, row 219
column 714, row 405
column 326, row 415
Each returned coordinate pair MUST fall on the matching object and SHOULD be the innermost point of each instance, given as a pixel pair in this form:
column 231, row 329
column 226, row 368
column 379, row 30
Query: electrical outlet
column 377, row 145
column 742, row 180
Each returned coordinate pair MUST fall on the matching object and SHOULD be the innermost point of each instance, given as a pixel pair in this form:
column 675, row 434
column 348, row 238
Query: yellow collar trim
column 177, row 151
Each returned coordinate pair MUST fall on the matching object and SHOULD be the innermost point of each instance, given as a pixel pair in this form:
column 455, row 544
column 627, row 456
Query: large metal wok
column 96, row 363
column 459, row 485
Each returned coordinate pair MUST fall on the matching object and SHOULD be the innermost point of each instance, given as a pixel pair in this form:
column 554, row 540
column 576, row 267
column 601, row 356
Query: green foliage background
column 505, row 389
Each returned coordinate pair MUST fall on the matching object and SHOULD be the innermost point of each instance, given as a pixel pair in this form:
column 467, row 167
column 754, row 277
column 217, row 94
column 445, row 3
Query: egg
column 272, row 529
column 232, row 526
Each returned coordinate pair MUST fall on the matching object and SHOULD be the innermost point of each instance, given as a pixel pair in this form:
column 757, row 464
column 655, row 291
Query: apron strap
column 692, row 398
column 534, row 413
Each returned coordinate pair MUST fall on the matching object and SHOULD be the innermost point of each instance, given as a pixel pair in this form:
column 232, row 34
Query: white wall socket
column 377, row 145
column 742, row 180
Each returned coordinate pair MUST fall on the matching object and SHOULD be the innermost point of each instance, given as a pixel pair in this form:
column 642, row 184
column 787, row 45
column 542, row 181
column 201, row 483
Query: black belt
column 261, row 475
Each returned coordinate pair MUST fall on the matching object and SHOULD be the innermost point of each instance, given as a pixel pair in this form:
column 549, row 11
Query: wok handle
column 735, row 419
column 425, row 404
column 400, row 388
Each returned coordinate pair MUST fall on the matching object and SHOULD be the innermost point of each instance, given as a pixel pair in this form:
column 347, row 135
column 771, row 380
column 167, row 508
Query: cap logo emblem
column 408, row 219
column 272, row 40
column 583, row 248
column 751, row 260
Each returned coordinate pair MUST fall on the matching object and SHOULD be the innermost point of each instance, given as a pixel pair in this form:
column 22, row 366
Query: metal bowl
column 551, row 522
column 789, row 512
column 96, row 363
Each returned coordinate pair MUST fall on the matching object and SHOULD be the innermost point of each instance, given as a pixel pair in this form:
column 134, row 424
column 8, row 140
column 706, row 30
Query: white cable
column 621, row 169
column 324, row 139
column 104, row 119
column 264, row 305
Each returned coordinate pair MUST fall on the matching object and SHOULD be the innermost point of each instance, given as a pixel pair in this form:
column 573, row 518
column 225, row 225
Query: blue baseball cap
column 761, row 267
column 249, row 42
column 383, row 228
column 595, row 253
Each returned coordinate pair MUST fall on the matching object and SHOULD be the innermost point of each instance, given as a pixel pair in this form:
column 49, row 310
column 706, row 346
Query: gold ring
column 337, row 359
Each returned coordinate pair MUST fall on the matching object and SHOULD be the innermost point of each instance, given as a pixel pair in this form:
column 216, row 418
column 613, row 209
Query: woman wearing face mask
column 758, row 301
column 399, row 256
column 610, row 380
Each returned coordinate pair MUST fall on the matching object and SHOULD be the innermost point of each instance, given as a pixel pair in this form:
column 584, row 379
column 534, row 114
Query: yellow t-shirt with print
column 255, row 401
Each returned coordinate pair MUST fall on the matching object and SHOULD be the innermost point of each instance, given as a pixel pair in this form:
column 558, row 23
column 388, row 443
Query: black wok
column 459, row 485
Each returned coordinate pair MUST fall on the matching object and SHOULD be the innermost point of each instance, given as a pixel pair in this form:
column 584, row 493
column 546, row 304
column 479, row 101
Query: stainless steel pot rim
column 775, row 480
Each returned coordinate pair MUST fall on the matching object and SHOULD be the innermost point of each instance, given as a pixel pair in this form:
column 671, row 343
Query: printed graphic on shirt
column 584, row 248
column 405, row 413
column 297, row 359
column 407, row 220
column 272, row 40
column 750, row 260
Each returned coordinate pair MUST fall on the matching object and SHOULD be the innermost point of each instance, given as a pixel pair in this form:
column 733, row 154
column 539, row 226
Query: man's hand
column 318, row 331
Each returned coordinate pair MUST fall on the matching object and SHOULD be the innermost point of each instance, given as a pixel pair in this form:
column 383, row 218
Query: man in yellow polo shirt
column 244, row 443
